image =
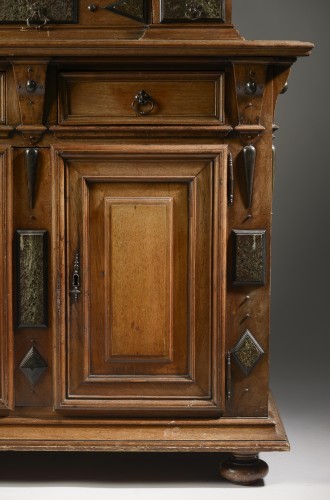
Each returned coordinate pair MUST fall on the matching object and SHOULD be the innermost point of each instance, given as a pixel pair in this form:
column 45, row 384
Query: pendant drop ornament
column 33, row 365
column 31, row 162
column 249, row 155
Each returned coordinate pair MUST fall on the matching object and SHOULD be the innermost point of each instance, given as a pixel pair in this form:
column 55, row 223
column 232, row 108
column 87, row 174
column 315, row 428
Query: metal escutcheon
column 143, row 104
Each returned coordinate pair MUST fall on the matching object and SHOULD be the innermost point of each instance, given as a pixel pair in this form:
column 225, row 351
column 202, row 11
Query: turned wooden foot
column 244, row 468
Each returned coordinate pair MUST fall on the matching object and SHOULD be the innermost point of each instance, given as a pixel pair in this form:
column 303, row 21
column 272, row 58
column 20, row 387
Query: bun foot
column 244, row 468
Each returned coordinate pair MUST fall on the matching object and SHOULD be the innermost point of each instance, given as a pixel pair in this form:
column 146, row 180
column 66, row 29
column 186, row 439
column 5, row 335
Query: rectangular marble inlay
column 249, row 257
column 31, row 278
column 193, row 10
column 56, row 11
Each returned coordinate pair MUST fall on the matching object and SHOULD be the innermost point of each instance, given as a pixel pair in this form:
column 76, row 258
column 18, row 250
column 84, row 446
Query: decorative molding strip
column 31, row 278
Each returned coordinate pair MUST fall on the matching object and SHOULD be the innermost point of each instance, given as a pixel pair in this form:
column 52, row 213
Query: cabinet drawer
column 101, row 98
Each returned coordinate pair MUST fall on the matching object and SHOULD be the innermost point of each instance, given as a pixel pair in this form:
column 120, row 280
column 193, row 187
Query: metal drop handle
column 143, row 104
column 36, row 16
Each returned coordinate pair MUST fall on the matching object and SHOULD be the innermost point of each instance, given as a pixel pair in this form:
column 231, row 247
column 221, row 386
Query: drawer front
column 101, row 98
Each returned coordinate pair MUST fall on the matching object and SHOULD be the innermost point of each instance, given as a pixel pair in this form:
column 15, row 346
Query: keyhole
column 75, row 280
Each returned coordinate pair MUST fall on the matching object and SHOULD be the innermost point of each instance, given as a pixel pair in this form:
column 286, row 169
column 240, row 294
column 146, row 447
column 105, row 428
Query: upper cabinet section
column 125, row 18
column 161, row 28
column 37, row 13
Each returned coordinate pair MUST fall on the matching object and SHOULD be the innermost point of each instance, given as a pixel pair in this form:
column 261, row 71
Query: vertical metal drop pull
column 230, row 180
column 228, row 375
column 31, row 162
column 76, row 279
column 249, row 155
column 273, row 165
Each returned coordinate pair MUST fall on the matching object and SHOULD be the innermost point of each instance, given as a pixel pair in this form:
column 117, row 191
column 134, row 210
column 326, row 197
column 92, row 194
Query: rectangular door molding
column 140, row 301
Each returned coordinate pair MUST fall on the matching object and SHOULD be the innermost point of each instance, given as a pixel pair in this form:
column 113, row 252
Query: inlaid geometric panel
column 33, row 365
column 247, row 352
column 31, row 278
column 134, row 9
column 193, row 10
column 249, row 257
column 56, row 11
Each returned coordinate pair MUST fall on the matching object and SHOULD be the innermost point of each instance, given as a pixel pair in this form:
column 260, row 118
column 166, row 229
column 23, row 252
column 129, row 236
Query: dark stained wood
column 244, row 468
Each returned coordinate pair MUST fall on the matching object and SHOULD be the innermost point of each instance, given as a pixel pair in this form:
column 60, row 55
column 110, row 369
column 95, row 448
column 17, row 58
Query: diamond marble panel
column 247, row 352
column 33, row 365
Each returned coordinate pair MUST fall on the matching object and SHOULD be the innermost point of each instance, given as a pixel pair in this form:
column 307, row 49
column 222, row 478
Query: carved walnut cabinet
column 136, row 166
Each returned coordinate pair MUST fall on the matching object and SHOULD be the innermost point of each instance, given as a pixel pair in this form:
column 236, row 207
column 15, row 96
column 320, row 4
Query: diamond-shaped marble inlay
column 247, row 352
column 33, row 365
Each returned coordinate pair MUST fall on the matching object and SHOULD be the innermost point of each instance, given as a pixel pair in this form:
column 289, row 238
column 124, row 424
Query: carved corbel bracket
column 30, row 81
column 250, row 83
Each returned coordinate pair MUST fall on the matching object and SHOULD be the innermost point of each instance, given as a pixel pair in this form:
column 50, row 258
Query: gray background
column 300, row 314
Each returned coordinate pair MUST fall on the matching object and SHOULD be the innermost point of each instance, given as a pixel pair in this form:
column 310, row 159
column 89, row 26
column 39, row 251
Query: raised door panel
column 144, row 279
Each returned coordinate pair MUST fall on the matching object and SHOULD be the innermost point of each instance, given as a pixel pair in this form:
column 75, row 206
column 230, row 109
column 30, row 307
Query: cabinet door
column 139, row 232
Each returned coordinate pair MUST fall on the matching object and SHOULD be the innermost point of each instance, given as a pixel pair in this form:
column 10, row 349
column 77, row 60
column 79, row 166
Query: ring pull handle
column 143, row 104
column 36, row 17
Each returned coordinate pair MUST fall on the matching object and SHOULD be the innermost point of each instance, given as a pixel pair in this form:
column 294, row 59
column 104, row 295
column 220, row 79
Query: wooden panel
column 105, row 98
column 6, row 329
column 37, row 219
column 144, row 335
column 139, row 244
column 147, row 291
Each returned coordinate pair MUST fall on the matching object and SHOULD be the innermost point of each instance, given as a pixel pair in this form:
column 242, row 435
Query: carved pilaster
column 30, row 81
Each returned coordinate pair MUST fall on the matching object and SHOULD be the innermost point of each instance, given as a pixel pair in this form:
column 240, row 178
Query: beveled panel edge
column 44, row 268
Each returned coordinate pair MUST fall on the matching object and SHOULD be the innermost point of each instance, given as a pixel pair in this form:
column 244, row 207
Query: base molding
column 51, row 432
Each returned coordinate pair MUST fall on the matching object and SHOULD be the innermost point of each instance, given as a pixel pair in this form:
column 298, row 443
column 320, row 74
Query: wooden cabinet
column 136, row 174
